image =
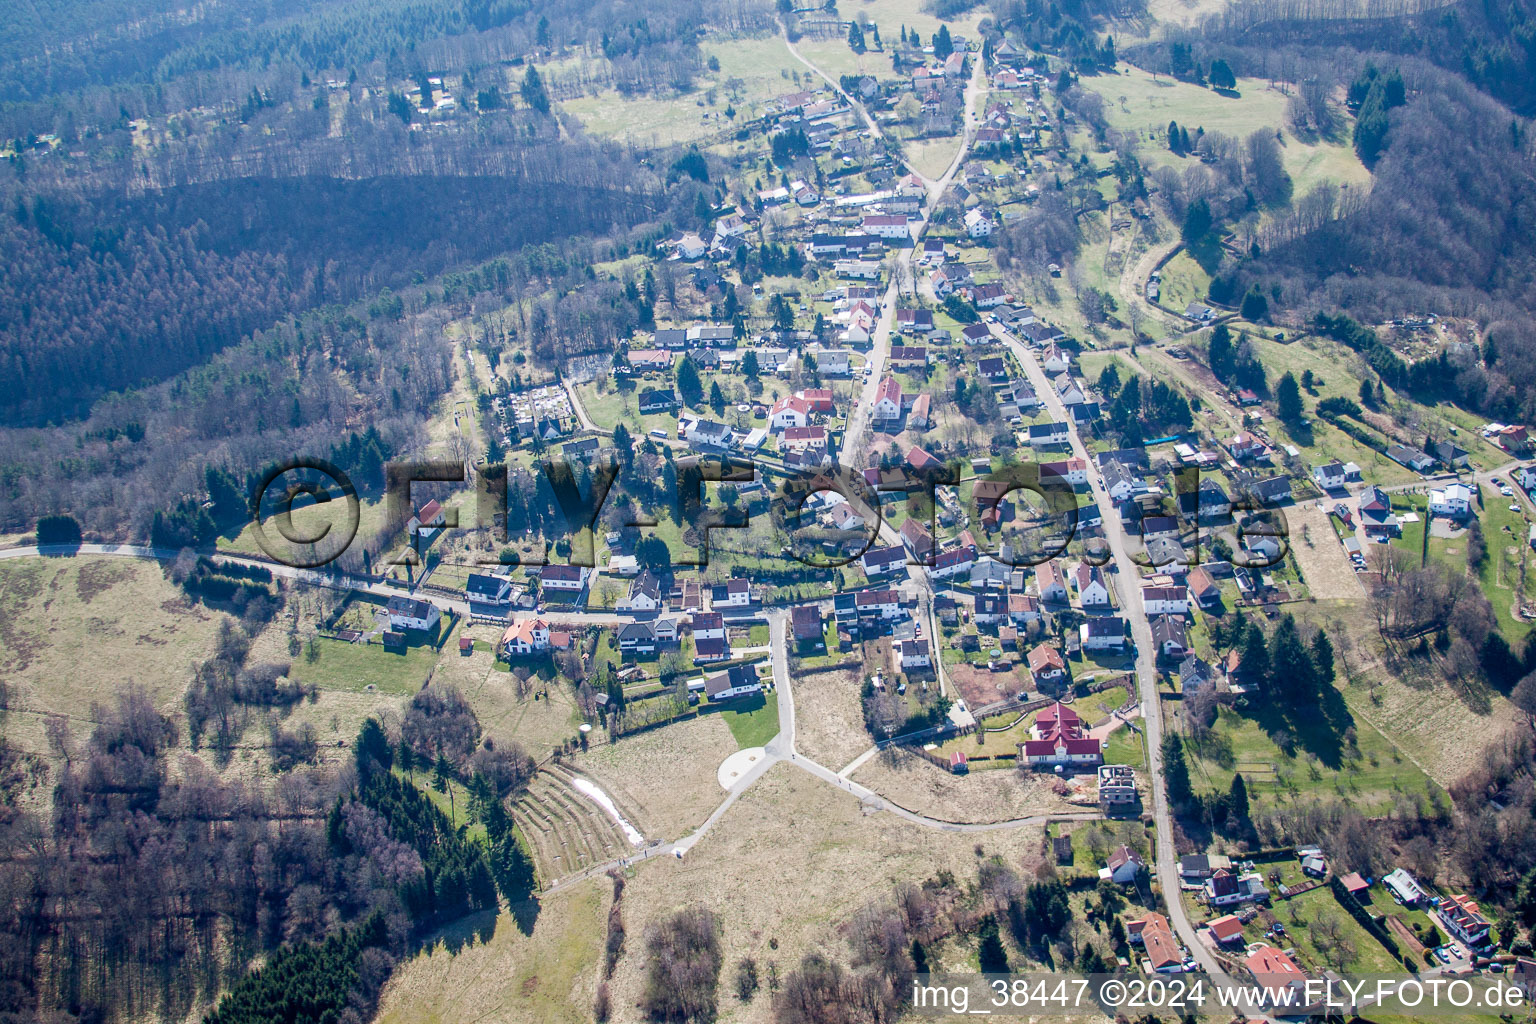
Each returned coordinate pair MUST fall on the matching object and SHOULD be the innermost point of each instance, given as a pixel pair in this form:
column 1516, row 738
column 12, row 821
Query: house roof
column 1227, row 928
column 1042, row 658
column 890, row 388
column 1271, row 963
column 523, row 630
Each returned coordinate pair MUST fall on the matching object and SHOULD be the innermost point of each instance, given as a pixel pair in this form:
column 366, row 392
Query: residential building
column 1164, row 599
column 736, row 681
column 733, row 593
column 1092, row 587
column 411, row 613
column 1163, row 954
column 1453, row 500
column 1403, row 887
column 1105, row 633
column 525, row 636
column 484, row 588
column 1058, row 738
column 1463, row 919
column 1329, row 476
column 888, row 399
column 1280, row 980
column 1170, row 636
column 1123, row 866
column 1117, row 784
column 644, row 594
column 1046, row 665
column 1051, row 583
column 563, row 579
column 637, row 638
column 878, row 562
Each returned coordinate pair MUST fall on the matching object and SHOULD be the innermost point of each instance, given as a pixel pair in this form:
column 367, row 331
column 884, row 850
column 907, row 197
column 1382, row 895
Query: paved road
column 1129, row 575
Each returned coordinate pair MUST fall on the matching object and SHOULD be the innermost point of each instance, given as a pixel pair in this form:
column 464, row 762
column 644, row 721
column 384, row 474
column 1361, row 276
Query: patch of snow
column 597, row 796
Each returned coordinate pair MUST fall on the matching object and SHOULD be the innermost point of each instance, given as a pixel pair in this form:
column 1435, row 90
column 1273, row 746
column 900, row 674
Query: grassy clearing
column 74, row 631
column 752, row 720
column 1138, row 101
column 1125, row 747
column 752, row 72
column 932, row 157
column 1369, row 778
column 338, row 665
column 791, row 862
column 1184, row 281
column 549, row 973
column 665, row 777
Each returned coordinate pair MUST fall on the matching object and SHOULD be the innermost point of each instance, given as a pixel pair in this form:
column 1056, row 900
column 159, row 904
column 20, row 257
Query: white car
column 1505, row 490
column 1513, row 507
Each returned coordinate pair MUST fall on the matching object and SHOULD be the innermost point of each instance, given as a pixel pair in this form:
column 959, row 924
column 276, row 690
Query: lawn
column 752, row 720
column 338, row 665
column 752, row 72
column 1320, row 765
column 932, row 157
column 1144, row 103
column 1125, row 747
column 1184, row 281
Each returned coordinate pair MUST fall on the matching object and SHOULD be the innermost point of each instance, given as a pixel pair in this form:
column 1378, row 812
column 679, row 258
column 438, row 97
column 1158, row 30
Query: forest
column 153, row 889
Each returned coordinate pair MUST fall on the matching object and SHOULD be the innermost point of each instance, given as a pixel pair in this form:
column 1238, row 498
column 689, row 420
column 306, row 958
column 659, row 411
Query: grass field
column 1136, row 100
column 667, row 776
column 74, row 631
column 549, row 974
column 339, row 665
column 1370, row 780
column 763, row 67
column 791, row 862
column 752, row 720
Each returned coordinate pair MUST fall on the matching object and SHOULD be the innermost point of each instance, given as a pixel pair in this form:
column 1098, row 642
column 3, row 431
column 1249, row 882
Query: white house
column 1106, row 633
column 1054, row 359
column 1123, row 866
column 1092, row 590
column 708, row 626
column 1069, row 390
column 1329, row 476
column 888, row 400
column 737, row 681
column 953, row 562
column 1454, row 500
column 911, row 654
column 1058, row 739
column 789, row 411
column 410, row 613
column 1159, row 599
column 733, row 593
column 644, row 595
column 1073, row 471
column 887, row 226
column 525, row 636
column 977, row 224
column 485, row 588
column 567, row 579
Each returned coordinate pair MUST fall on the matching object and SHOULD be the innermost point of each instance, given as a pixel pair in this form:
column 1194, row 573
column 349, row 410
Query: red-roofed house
column 789, row 411
column 819, row 399
column 1058, row 738
column 1275, row 973
column 1227, row 930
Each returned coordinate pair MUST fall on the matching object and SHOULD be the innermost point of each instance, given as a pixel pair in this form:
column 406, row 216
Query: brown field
column 980, row 686
column 790, row 862
column 665, row 777
column 1320, row 555
column 829, row 723
column 549, row 975
column 77, row 631
column 984, row 795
